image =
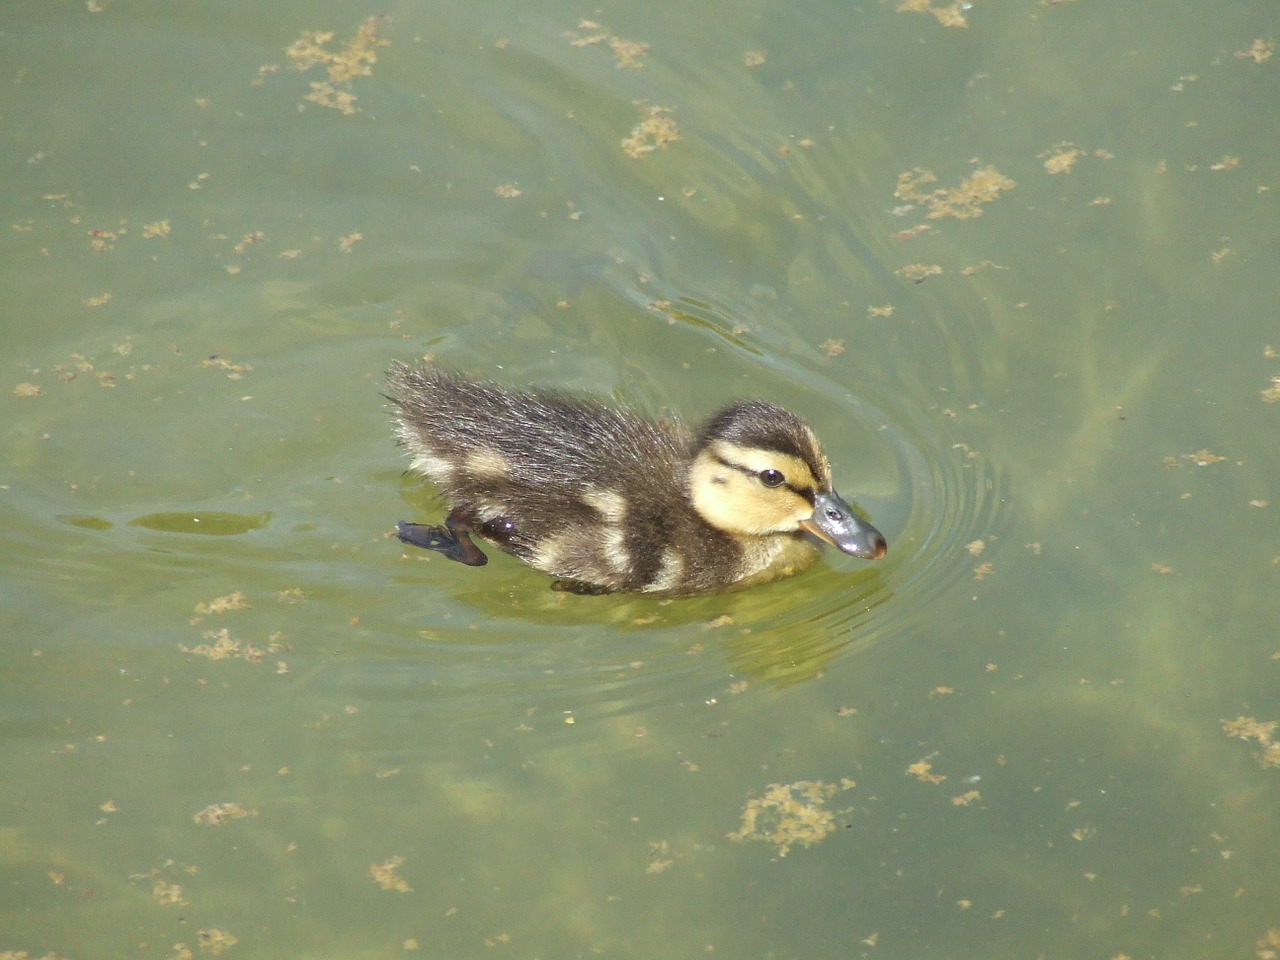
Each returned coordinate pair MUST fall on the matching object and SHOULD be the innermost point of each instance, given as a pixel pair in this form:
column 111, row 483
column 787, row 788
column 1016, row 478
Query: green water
column 1004, row 740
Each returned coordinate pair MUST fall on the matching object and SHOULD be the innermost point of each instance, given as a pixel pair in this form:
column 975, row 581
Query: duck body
column 604, row 500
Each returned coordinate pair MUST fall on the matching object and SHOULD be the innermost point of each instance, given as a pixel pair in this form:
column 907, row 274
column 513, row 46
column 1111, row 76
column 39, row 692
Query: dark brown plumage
column 604, row 500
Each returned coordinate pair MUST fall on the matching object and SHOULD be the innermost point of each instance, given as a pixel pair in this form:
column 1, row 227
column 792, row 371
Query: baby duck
column 606, row 501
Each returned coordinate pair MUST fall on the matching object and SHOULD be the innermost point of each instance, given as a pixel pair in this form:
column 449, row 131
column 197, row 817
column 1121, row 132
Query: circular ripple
column 512, row 642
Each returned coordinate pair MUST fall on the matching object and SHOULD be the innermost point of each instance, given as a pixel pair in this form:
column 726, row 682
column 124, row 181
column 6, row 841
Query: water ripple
column 933, row 498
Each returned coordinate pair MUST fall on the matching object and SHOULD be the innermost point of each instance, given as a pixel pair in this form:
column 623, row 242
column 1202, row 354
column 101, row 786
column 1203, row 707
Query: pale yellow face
column 751, row 492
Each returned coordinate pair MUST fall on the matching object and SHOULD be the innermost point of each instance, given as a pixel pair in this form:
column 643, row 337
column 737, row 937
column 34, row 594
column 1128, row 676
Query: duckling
column 604, row 500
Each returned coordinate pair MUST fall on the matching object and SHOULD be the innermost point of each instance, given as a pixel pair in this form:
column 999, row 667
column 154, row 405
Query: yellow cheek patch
column 761, row 510
column 795, row 471
column 729, row 495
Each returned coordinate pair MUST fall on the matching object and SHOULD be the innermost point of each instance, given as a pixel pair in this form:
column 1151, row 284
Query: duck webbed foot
column 453, row 539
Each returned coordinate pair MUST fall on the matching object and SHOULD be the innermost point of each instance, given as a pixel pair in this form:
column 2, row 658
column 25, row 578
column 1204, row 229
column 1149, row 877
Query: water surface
column 1015, row 264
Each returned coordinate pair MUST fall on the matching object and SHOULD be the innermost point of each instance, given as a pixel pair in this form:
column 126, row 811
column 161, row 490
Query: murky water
column 1019, row 276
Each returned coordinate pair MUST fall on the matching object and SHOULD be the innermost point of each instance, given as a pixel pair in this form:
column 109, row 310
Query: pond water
column 1016, row 265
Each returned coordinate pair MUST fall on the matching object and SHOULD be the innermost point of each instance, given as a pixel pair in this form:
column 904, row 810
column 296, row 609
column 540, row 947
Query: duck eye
column 772, row 478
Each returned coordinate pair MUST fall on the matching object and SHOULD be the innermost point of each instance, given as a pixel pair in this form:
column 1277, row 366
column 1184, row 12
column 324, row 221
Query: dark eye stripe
column 807, row 493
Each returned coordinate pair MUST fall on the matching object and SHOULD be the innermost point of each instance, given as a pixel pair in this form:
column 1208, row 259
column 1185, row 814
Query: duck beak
column 834, row 522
